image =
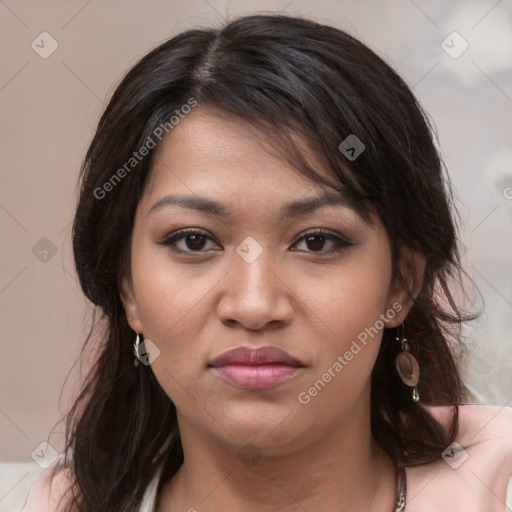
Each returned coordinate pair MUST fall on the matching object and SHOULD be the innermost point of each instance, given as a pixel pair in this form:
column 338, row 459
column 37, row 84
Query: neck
column 346, row 469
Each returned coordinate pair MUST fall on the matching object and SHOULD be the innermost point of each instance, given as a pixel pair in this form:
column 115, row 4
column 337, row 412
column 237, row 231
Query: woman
column 264, row 212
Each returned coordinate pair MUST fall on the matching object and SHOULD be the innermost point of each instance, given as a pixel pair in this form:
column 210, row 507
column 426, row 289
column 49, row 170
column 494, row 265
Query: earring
column 407, row 366
column 136, row 349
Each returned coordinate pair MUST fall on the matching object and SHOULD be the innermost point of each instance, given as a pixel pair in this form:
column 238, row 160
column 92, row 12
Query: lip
column 256, row 369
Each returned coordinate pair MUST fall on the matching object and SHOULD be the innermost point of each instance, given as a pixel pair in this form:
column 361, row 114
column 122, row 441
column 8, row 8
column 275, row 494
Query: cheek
column 354, row 300
column 174, row 304
column 351, row 309
column 170, row 295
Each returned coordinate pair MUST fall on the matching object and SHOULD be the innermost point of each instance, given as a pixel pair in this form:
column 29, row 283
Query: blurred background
column 61, row 62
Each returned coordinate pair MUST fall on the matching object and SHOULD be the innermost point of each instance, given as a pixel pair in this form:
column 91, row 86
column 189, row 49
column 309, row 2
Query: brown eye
column 193, row 241
column 317, row 240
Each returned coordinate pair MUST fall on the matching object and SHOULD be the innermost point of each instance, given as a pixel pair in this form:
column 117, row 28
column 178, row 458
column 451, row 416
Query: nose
column 256, row 295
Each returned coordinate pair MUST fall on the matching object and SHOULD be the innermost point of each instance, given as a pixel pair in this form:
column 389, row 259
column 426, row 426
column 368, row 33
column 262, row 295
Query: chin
column 264, row 428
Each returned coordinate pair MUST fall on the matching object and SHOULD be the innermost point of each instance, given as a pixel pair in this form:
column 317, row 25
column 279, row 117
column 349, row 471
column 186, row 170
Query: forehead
column 225, row 155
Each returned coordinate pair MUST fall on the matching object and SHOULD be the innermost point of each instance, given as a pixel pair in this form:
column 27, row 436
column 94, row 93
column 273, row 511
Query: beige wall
column 49, row 108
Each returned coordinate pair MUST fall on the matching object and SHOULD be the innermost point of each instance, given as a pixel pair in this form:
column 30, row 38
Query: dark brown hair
column 287, row 76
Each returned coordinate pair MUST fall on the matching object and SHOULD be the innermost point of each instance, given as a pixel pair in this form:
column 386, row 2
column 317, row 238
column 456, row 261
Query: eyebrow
column 215, row 208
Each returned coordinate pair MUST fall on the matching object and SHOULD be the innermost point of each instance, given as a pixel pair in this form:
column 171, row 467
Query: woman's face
column 253, row 278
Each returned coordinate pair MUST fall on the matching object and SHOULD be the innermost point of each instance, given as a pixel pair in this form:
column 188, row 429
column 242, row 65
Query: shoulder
column 45, row 493
column 485, row 432
column 474, row 471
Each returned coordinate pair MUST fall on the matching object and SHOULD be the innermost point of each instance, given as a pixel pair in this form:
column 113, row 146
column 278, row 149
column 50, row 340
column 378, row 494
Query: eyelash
column 338, row 242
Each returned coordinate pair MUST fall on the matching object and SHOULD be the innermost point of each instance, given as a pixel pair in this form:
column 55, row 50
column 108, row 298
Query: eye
column 195, row 240
column 316, row 240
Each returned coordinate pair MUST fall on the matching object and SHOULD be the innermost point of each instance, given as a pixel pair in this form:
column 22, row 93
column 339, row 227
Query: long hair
column 289, row 77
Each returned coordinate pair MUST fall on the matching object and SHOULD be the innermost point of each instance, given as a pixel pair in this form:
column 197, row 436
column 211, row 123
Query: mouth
column 256, row 369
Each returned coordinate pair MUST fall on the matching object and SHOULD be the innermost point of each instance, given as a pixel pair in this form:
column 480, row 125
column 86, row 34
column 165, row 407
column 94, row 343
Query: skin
column 304, row 298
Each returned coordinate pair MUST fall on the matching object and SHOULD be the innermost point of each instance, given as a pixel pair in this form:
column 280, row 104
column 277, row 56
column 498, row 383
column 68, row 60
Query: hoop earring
column 407, row 366
column 137, row 349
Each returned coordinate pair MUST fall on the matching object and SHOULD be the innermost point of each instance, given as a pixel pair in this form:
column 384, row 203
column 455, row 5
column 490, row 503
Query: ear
column 131, row 308
column 412, row 269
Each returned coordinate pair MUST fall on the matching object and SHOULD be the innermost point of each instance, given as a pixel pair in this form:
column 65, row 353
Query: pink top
column 472, row 479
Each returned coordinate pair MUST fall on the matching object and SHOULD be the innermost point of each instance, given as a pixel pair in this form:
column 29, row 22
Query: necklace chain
column 400, row 491
column 401, row 476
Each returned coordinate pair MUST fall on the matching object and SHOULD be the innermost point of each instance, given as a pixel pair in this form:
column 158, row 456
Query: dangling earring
column 136, row 350
column 407, row 366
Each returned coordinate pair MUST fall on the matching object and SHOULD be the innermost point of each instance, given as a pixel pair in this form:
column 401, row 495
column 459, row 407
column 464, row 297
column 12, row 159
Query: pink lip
column 254, row 369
